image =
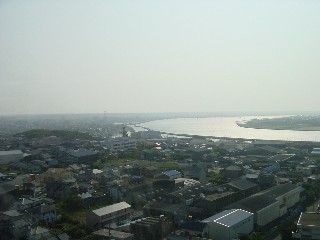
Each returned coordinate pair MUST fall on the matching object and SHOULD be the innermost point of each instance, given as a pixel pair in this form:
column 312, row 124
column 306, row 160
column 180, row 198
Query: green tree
column 72, row 203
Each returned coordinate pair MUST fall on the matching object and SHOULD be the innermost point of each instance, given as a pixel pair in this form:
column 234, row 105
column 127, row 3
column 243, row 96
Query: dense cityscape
column 98, row 178
column 159, row 120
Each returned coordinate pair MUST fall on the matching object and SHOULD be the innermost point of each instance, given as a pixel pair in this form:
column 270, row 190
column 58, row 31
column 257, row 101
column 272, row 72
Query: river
column 226, row 127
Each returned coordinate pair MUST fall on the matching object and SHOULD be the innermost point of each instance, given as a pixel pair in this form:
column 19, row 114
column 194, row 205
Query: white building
column 270, row 204
column 229, row 224
column 10, row 156
column 308, row 226
column 315, row 152
column 102, row 217
column 122, row 144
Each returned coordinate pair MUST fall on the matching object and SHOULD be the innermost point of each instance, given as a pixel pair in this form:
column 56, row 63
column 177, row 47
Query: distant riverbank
column 294, row 123
column 229, row 127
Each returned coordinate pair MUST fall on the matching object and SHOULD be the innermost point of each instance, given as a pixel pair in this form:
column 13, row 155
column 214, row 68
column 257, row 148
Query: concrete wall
column 291, row 198
column 268, row 214
column 221, row 232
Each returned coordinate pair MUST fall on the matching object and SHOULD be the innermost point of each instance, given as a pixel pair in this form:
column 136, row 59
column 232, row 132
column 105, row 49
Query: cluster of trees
column 40, row 133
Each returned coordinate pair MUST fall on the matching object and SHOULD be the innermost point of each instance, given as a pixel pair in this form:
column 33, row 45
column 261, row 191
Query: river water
column 227, row 127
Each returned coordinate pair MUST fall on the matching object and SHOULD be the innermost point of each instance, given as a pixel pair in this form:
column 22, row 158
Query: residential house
column 171, row 174
column 83, row 155
column 155, row 228
column 39, row 233
column 193, row 228
column 45, row 213
column 233, row 171
column 13, row 225
column 113, row 234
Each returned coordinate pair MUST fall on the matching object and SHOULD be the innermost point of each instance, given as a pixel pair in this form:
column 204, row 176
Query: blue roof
column 171, row 173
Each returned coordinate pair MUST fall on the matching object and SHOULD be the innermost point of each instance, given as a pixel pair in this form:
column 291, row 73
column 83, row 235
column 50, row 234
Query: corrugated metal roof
column 230, row 217
column 111, row 208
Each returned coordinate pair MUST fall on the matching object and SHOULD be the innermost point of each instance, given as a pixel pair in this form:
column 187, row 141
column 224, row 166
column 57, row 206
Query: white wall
column 221, row 232
column 268, row 214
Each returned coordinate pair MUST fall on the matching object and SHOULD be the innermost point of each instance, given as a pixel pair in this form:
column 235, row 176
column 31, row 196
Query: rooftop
column 4, row 153
column 82, row 153
column 111, row 208
column 242, row 184
column 254, row 203
column 309, row 219
column 113, row 233
column 171, row 173
column 12, row 213
column 229, row 218
column 279, row 190
column 281, row 157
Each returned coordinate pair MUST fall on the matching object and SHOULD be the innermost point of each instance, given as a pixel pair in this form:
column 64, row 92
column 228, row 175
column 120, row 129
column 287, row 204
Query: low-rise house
column 39, row 233
column 306, row 171
column 105, row 216
column 233, row 172
column 45, row 213
column 171, row 174
column 86, row 197
column 13, row 225
column 97, row 174
column 155, row 228
column 229, row 224
column 112, row 234
column 26, row 167
column 177, row 212
column 149, row 171
column 57, row 174
column 86, row 187
column 194, row 228
column 51, row 162
column 26, row 203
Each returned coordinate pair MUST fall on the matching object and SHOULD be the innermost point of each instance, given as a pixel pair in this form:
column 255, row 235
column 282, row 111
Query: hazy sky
column 79, row 56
